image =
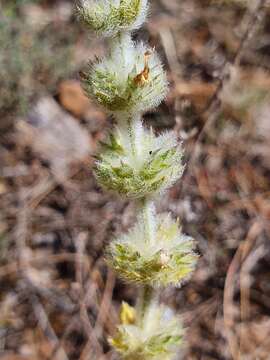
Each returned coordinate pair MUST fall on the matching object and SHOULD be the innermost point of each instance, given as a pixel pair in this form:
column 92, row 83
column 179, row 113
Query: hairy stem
column 144, row 300
column 120, row 43
column 134, row 132
column 148, row 218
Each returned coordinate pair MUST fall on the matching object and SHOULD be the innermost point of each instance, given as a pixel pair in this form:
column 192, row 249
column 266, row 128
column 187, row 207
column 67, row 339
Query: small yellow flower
column 155, row 335
column 127, row 314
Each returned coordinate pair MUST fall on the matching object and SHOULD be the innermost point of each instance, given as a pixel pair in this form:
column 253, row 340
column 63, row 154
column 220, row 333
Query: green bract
column 111, row 16
column 130, row 80
column 169, row 260
column 156, row 336
column 154, row 168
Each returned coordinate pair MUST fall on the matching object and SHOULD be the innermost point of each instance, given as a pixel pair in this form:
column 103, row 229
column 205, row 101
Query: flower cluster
column 168, row 260
column 154, row 167
column 129, row 80
column 109, row 17
column 137, row 164
column 154, row 335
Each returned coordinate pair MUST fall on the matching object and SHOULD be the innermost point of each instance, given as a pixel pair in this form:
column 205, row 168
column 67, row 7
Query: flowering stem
column 137, row 163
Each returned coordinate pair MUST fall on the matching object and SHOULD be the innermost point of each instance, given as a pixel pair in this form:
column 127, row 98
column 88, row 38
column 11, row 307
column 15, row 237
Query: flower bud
column 108, row 17
column 155, row 335
column 131, row 80
column 169, row 260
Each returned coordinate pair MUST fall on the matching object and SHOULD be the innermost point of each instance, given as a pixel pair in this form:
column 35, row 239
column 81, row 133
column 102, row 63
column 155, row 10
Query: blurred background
column 58, row 299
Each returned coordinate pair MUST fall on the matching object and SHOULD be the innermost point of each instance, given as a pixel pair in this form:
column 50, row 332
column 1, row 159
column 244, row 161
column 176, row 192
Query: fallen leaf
column 73, row 99
column 55, row 136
